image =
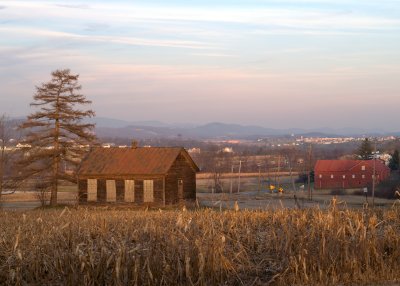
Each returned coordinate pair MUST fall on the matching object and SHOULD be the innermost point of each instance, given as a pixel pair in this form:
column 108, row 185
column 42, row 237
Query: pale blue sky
column 272, row 63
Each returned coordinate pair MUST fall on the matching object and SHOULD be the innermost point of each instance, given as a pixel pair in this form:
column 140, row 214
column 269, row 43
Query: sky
column 277, row 64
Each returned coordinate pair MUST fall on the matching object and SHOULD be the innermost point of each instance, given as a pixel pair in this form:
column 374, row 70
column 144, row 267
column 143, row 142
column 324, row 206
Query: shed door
column 91, row 190
column 148, row 191
column 180, row 190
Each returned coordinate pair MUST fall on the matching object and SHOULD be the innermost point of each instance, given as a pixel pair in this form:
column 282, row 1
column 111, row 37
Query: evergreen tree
column 364, row 152
column 395, row 160
column 56, row 135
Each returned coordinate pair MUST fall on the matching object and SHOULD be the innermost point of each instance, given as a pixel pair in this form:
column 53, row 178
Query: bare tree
column 7, row 156
column 41, row 191
column 57, row 137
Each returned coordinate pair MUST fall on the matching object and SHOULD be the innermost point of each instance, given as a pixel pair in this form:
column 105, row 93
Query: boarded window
column 320, row 176
column 180, row 189
column 331, row 176
column 344, row 176
column 362, row 168
column 92, row 190
column 354, row 176
column 148, row 191
column 129, row 191
column 111, row 191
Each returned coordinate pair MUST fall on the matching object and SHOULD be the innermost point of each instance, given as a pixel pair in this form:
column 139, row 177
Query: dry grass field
column 106, row 246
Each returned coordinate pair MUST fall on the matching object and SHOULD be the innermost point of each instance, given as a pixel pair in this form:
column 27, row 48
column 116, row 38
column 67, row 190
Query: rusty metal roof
column 132, row 161
column 347, row 165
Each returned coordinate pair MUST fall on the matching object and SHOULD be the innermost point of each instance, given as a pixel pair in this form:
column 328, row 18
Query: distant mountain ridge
column 107, row 127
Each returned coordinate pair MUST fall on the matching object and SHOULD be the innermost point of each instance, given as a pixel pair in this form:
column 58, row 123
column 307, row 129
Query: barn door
column 180, row 190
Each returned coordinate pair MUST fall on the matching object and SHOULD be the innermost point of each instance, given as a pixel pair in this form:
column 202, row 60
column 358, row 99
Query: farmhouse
column 348, row 174
column 147, row 175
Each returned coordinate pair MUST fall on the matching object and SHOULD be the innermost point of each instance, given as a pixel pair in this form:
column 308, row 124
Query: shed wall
column 181, row 169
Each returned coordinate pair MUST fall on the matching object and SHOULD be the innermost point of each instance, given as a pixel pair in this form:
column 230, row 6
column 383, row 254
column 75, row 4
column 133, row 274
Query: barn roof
column 346, row 165
column 132, row 161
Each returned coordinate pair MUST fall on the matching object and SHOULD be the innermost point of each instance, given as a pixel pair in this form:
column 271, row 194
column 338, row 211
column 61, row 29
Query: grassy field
column 200, row 247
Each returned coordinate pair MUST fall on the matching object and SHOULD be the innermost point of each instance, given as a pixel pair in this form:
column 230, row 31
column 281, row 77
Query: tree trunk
column 2, row 158
column 56, row 158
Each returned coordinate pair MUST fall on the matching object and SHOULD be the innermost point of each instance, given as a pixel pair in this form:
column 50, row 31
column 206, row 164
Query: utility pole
column 259, row 177
column 230, row 190
column 279, row 169
column 309, row 170
column 293, row 183
column 267, row 176
column 291, row 176
column 240, row 167
column 373, row 176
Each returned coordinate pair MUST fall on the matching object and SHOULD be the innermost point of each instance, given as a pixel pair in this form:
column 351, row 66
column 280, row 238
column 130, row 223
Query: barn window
column 362, row 168
column 92, row 190
column 353, row 176
column 331, row 176
column 363, row 176
column 148, row 190
column 129, row 191
column 320, row 176
column 111, row 191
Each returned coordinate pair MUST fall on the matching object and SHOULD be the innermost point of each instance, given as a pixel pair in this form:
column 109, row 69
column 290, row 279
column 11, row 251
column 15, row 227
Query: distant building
column 194, row 150
column 107, row 145
column 148, row 175
column 348, row 174
column 385, row 157
column 227, row 150
column 21, row 145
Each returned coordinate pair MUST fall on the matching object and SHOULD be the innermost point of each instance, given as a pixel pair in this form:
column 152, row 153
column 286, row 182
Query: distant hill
column 152, row 129
column 118, row 123
column 110, row 127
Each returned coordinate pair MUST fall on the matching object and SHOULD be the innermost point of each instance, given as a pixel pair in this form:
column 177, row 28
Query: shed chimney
column 134, row 144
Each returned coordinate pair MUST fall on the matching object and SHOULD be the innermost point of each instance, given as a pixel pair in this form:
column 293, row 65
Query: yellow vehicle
column 273, row 189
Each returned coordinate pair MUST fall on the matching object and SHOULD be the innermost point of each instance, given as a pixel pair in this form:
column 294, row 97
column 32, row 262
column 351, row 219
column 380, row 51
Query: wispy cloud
column 273, row 18
column 214, row 55
column 134, row 41
column 77, row 6
column 96, row 26
column 81, row 6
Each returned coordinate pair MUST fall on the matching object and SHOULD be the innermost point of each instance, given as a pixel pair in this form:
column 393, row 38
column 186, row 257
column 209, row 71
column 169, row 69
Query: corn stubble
column 202, row 247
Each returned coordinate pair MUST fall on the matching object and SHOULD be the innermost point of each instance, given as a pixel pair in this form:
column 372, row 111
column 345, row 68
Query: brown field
column 248, row 198
column 66, row 194
column 245, row 175
column 82, row 246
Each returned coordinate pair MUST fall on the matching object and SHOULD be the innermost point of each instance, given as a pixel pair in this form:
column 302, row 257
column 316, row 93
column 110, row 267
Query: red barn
column 348, row 174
